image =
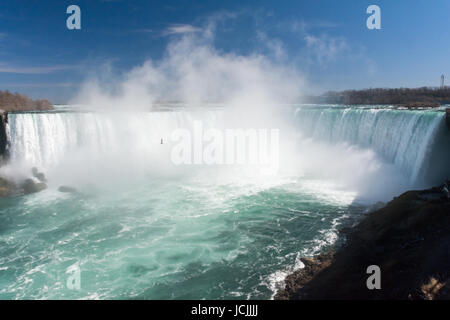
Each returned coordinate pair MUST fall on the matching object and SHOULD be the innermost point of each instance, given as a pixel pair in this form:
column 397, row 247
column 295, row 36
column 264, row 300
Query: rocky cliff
column 3, row 136
column 409, row 239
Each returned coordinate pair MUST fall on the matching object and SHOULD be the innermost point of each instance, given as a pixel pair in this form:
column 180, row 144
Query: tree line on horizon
column 20, row 102
column 413, row 97
column 400, row 96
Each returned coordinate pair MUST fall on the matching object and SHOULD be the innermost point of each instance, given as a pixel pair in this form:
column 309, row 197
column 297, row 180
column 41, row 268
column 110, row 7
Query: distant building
column 442, row 81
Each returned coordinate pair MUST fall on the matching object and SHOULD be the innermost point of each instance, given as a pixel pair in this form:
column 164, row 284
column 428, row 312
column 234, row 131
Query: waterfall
column 405, row 138
column 44, row 139
column 416, row 142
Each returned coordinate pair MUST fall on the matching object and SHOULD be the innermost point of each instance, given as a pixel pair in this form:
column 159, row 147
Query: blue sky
column 326, row 40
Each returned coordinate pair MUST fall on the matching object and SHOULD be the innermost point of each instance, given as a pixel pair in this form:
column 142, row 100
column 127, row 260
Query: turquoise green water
column 165, row 240
column 141, row 228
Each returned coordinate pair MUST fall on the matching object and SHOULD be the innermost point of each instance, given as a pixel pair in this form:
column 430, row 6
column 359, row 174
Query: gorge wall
column 3, row 136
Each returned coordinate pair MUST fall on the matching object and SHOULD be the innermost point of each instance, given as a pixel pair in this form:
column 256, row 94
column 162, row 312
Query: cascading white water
column 45, row 138
column 200, row 235
column 89, row 142
column 79, row 148
column 401, row 137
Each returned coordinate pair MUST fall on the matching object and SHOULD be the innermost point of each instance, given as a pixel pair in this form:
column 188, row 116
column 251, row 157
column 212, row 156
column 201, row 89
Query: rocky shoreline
column 409, row 239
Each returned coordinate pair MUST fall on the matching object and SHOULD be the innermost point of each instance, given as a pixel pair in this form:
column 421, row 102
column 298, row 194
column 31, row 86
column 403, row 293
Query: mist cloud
column 193, row 70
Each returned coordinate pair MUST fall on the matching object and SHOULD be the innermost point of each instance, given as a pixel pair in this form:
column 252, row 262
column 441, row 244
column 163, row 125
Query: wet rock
column 41, row 177
column 446, row 190
column 38, row 175
column 3, row 137
column 67, row 189
column 29, row 186
column 7, row 188
column 437, row 193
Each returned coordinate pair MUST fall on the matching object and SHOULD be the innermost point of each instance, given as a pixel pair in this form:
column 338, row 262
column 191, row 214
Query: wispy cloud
column 5, row 68
column 180, row 29
column 303, row 26
column 319, row 46
column 325, row 49
column 274, row 46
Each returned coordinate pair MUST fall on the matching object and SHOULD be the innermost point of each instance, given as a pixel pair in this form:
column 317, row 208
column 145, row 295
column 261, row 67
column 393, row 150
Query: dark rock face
column 409, row 239
column 3, row 136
